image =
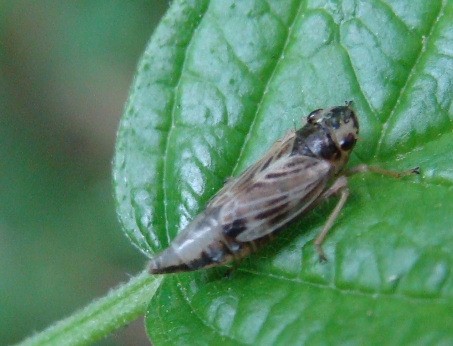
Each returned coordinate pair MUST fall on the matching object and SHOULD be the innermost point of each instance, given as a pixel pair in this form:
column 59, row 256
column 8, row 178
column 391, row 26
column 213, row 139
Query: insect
column 300, row 170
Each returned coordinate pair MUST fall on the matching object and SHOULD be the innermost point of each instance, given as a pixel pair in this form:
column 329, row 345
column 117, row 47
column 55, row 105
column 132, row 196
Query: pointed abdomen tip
column 153, row 268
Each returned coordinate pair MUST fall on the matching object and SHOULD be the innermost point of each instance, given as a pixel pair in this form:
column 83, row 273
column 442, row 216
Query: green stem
column 121, row 306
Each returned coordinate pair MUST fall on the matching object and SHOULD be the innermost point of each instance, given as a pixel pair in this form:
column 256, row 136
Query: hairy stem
column 121, row 306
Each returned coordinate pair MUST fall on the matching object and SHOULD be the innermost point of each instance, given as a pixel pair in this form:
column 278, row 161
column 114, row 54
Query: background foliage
column 218, row 83
column 65, row 70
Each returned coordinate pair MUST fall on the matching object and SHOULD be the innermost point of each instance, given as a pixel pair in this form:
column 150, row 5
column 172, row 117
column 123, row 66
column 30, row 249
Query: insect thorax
column 329, row 134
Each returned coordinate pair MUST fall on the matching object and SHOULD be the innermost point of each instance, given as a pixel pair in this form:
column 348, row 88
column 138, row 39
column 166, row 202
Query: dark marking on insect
column 266, row 164
column 275, row 201
column 269, row 213
column 236, row 227
column 278, row 174
column 257, row 185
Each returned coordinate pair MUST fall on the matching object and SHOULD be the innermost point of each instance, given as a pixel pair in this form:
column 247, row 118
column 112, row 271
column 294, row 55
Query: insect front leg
column 362, row 168
column 339, row 187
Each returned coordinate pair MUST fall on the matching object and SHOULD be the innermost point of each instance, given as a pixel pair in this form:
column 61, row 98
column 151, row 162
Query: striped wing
column 271, row 192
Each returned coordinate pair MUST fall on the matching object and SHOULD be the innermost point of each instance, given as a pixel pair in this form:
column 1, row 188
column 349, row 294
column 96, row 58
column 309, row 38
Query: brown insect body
column 290, row 179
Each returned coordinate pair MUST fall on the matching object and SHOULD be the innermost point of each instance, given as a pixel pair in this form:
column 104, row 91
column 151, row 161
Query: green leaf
column 219, row 82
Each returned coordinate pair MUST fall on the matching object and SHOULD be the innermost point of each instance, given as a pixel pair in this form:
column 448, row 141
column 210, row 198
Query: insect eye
column 311, row 118
column 348, row 142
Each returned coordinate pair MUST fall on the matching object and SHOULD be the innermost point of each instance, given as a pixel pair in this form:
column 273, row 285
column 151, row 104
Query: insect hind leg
column 338, row 187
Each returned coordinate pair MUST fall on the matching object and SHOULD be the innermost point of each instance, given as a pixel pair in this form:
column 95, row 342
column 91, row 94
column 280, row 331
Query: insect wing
column 280, row 196
column 280, row 148
column 271, row 192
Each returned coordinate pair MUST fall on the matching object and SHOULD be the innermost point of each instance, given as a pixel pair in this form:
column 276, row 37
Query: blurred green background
column 65, row 70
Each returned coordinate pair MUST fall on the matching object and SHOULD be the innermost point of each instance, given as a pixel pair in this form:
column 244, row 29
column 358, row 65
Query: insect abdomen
column 202, row 244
